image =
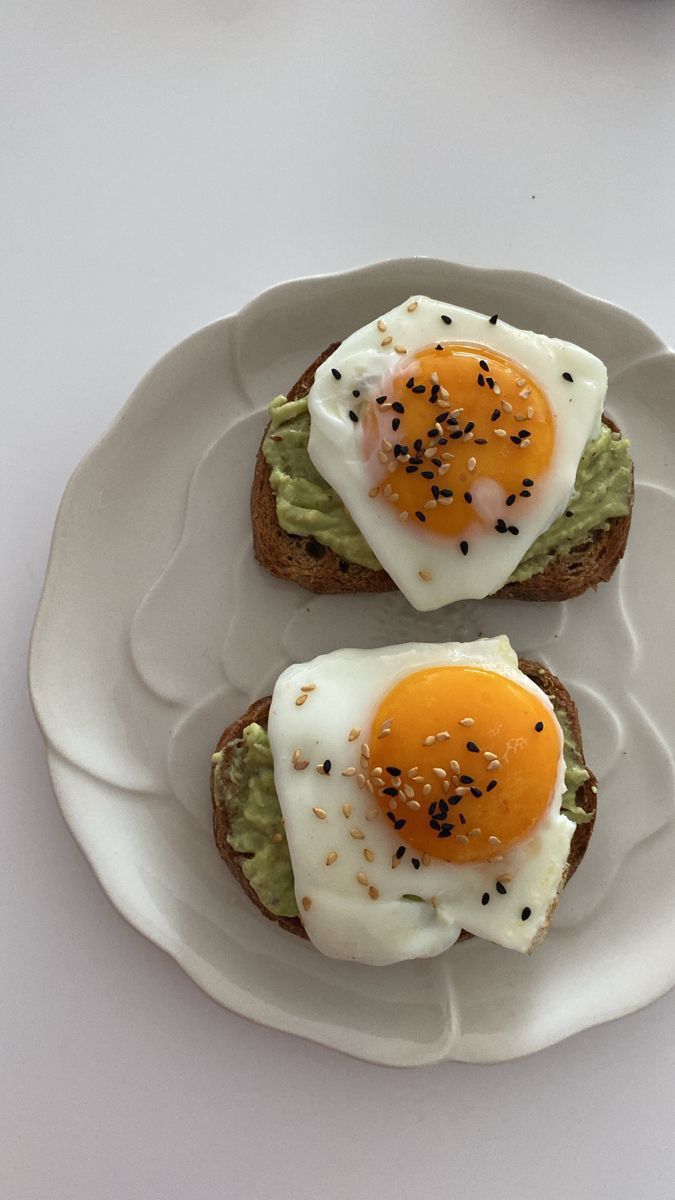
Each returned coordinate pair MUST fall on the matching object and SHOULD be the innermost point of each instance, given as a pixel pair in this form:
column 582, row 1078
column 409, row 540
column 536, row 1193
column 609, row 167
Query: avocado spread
column 246, row 788
column 307, row 505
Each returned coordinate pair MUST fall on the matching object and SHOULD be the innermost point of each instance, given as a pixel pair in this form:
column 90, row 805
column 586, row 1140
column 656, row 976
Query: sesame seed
column 467, row 721
column 468, row 497
column 566, row 375
column 382, row 325
column 506, row 407
column 331, row 857
column 485, row 898
column 365, row 750
column 526, row 914
column 494, row 765
column 474, row 832
column 361, row 780
column 373, row 893
column 426, row 790
column 373, row 492
column 412, row 306
column 306, row 903
column 494, row 841
column 400, row 349
column 489, row 755
column 335, row 373
column 539, row 726
column 320, row 813
column 300, row 764
column 346, row 809
column 471, row 464
column 494, row 319
column 403, row 516
column 353, row 734
column 464, row 547
column 460, row 837
column 277, row 837
column 300, row 700
column 500, row 433
column 352, row 415
column 372, row 814
column 530, row 412
column 368, row 855
column 500, row 888
column 387, row 341
column 492, row 784
column 438, row 772
column 472, row 747
column 426, row 577
column 357, row 834
column 446, row 320
column 362, row 878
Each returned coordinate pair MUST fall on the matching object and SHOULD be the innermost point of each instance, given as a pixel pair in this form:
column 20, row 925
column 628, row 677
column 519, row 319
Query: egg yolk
column 463, row 762
column 458, row 441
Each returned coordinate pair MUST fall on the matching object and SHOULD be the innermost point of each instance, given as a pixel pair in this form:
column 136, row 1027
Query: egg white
column 342, row 920
column 335, row 444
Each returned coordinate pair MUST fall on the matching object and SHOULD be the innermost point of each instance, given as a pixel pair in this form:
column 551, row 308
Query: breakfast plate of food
column 350, row 665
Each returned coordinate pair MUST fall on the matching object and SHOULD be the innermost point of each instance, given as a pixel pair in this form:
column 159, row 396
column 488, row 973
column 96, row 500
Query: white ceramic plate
column 157, row 628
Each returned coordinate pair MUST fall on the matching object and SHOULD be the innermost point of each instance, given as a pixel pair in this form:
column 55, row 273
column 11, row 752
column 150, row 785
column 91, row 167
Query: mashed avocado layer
column 307, row 505
column 246, row 788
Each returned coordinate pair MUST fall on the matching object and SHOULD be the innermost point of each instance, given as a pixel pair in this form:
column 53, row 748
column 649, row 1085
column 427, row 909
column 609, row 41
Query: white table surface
column 166, row 161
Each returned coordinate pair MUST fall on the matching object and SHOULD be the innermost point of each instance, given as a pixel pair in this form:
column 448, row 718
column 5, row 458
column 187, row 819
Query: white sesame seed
column 387, row 490
column 504, row 878
column 361, row 780
column 425, row 575
column 430, row 505
column 456, row 411
column 443, row 736
column 362, row 878
column 526, row 393
column 426, row 790
column 524, row 443
column 349, row 771
column 506, row 407
column 446, row 786
column 426, row 859
column 369, row 786
column 445, row 395
column 468, row 437
column 393, row 466
column 400, row 349
column 434, row 376
column 386, row 445
column 530, row 413
column 461, row 791
column 357, row 834
column 412, row 306
column 408, row 791
column 445, row 501
column 373, row 893
column 373, row 492
column 368, row 855
column 444, row 469
column 306, row 903
column 382, row 325
column 387, row 341
column 365, row 750
column 393, row 498
column 382, row 456
column 331, row 858
column 489, row 755
column 412, row 772
column 394, row 862
column 301, row 764
column 429, row 741
column 454, row 766
column 320, row 813
column 372, row 814
column 521, row 382
column 430, row 452
column 471, row 464
column 499, row 432
column 377, row 771
column 462, row 839
column 468, row 721
column 308, row 687
column 346, row 809
column 403, row 516
column 497, row 391
column 300, row 700
column 494, row 841
column 494, row 765
column 414, row 805
column 439, row 772
column 474, row 832
column 353, row 734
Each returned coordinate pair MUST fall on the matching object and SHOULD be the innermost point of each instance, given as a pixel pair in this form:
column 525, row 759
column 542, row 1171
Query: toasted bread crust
column 586, row 796
column 315, row 567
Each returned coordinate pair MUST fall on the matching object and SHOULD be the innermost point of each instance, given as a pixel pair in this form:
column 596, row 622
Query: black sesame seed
column 411, row 470
column 352, row 415
column 447, row 825
column 432, row 433
column 432, row 808
column 446, row 321
column 356, row 393
column 437, row 462
column 435, row 491
column 526, row 914
column 490, row 382
column 483, row 365
column 495, row 414
column 390, row 791
column 480, row 441
column 476, row 792
column 472, row 747
column 500, row 526
column 420, row 516
column 501, row 889
column 380, row 399
column 468, row 497
column 492, row 784
column 445, row 831
column 528, row 483
column 464, row 547
column 525, row 493
column 398, row 449
column 462, row 819
column 439, row 346
column 434, row 824
column 417, row 461
column 435, row 389
column 446, row 492
column 400, row 851
column 400, row 823
column 466, row 779
column 469, row 426
column 418, row 443
column 411, row 382
column 327, row 764
column 485, row 898
column 418, row 389
column 569, row 513
column 427, row 474
column 539, row 726
column 398, row 407
column 568, row 377
column 481, row 381
column 442, row 441
column 457, row 434
column 515, row 438
column 494, row 319
column 393, row 770
column 391, row 816
column 510, row 499
column 524, row 433
column 416, row 863
column 395, row 423
column 443, row 417
column 336, row 374
column 314, row 548
column 455, row 800
column 443, row 807
column 513, row 529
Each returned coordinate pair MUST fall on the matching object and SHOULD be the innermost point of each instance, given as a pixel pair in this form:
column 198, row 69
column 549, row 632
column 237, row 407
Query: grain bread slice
column 318, row 569
column 586, row 796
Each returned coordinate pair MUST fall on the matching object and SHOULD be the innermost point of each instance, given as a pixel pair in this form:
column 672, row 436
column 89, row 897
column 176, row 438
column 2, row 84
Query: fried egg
column 420, row 788
column 453, row 440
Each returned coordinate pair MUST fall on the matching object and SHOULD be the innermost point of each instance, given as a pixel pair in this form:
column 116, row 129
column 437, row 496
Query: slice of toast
column 586, row 796
column 317, row 568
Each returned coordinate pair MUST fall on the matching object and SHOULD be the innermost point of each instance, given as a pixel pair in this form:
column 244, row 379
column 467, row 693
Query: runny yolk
column 458, row 440
column 463, row 762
